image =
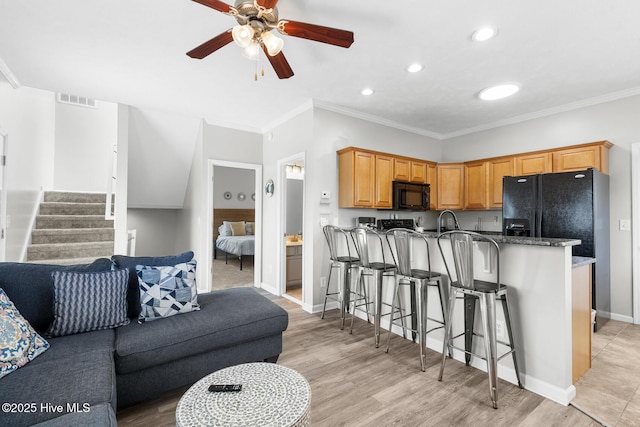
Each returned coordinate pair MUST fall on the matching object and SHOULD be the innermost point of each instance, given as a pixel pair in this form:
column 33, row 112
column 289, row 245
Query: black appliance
column 366, row 221
column 410, row 196
column 516, row 227
column 388, row 224
column 569, row 205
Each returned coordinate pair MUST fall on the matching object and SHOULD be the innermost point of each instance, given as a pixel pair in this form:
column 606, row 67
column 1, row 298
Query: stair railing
column 109, row 208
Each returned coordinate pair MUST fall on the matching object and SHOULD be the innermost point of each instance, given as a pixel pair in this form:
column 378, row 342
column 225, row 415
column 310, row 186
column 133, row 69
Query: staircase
column 71, row 229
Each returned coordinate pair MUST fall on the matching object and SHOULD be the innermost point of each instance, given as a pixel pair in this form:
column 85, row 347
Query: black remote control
column 225, row 387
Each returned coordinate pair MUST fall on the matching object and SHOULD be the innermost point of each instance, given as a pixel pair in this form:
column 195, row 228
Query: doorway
column 234, row 225
column 3, row 194
column 291, row 181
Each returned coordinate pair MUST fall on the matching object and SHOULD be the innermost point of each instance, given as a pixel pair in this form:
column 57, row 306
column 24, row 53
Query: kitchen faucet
column 455, row 219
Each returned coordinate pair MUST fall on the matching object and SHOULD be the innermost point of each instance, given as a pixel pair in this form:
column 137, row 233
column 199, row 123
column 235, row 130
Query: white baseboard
column 269, row 288
column 618, row 317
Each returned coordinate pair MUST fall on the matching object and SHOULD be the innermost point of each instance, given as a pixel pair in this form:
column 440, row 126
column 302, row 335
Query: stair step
column 65, row 196
column 67, row 261
column 71, row 208
column 72, row 221
column 53, row 251
column 72, row 235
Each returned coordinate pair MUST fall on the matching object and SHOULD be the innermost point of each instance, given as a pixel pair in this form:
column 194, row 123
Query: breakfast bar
column 542, row 286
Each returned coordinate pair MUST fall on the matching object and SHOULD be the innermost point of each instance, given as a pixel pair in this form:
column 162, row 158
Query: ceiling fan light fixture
column 243, row 35
column 272, row 43
column 252, row 51
column 498, row 92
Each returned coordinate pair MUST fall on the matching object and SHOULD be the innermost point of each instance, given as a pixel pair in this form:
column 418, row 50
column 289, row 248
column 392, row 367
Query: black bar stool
column 419, row 281
column 461, row 245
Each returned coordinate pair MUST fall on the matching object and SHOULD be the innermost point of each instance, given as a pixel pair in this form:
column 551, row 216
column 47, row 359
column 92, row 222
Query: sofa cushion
column 30, row 287
column 226, row 318
column 19, row 343
column 86, row 302
column 128, row 262
column 101, row 415
column 167, row 291
column 76, row 369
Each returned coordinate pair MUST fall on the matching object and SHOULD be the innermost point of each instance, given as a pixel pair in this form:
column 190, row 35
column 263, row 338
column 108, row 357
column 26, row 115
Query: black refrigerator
column 569, row 205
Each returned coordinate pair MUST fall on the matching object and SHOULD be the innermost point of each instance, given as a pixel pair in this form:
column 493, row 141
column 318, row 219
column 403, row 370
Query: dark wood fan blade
column 268, row 4
column 215, row 4
column 207, row 48
column 316, row 33
column 279, row 64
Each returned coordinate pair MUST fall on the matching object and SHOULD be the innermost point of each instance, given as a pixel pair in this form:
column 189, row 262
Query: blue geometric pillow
column 19, row 342
column 84, row 302
column 167, row 290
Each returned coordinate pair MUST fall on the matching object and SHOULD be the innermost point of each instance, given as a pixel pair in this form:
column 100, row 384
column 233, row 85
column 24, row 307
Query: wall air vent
column 81, row 101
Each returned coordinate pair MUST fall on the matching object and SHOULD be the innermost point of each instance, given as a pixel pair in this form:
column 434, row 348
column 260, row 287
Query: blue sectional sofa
column 84, row 378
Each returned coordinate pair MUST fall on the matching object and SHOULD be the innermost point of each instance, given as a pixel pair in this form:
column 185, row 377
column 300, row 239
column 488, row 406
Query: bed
column 233, row 233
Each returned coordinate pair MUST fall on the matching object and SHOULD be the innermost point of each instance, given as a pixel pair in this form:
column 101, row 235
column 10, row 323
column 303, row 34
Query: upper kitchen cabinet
column 450, row 184
column 365, row 179
column 432, row 180
column 498, row 169
column 383, row 196
column 594, row 155
column 475, row 185
column 533, row 163
column 409, row 170
column 356, row 178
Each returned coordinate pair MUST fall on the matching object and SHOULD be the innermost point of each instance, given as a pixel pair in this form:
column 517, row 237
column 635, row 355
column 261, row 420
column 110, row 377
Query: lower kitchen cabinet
column 581, row 325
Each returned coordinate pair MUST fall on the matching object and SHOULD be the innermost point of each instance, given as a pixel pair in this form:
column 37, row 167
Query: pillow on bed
column 248, row 228
column 224, row 229
column 237, row 228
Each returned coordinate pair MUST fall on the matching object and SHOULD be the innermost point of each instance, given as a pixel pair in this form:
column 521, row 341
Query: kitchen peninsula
column 539, row 275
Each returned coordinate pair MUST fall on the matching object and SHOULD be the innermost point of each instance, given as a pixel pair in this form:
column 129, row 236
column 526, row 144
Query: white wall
column 156, row 230
column 161, row 149
column 617, row 122
column 235, row 181
column 84, row 145
column 28, row 117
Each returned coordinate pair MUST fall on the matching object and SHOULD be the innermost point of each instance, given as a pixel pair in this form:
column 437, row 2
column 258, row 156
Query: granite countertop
column 579, row 261
column 517, row 240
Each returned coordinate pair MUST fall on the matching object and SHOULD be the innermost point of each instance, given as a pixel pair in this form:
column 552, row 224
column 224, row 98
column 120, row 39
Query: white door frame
column 257, row 259
column 4, row 138
column 282, row 208
column 635, row 229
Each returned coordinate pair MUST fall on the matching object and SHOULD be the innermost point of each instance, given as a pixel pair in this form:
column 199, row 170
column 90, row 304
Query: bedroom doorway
column 235, row 206
column 292, row 183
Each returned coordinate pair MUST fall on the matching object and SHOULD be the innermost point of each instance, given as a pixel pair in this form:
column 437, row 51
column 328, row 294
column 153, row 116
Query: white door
column 3, row 194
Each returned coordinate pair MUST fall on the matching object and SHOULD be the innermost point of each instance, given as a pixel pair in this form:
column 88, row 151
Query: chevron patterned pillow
column 167, row 290
column 86, row 302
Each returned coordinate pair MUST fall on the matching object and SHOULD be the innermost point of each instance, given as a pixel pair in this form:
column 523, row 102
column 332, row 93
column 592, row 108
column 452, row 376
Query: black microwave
column 410, row 196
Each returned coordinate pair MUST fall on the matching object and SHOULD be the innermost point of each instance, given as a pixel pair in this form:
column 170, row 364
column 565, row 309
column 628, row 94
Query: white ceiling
column 565, row 54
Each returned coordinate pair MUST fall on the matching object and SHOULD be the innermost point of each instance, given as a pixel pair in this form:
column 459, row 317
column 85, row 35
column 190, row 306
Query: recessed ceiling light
column 367, row 91
column 498, row 92
column 484, row 34
column 414, row 68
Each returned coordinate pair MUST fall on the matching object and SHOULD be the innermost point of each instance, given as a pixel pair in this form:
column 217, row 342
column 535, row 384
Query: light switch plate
column 625, row 225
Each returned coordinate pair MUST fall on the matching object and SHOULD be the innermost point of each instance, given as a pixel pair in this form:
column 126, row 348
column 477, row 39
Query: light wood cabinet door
column 498, row 169
column 418, row 172
column 401, row 169
column 581, row 320
column 475, row 185
column 383, row 182
column 356, row 171
column 531, row 164
column 580, row 158
column 450, row 178
column 432, row 174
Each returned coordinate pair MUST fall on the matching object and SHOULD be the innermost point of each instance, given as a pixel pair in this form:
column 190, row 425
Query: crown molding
column 614, row 96
column 11, row 78
column 375, row 119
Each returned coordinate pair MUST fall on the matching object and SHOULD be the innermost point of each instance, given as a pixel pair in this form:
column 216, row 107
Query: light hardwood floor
column 355, row 384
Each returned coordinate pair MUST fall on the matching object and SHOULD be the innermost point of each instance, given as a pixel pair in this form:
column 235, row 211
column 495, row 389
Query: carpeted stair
column 71, row 229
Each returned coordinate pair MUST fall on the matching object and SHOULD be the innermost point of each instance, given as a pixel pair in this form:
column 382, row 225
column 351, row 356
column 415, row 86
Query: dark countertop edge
column 579, row 261
column 517, row 240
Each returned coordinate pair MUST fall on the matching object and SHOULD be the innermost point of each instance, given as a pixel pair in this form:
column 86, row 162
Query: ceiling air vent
column 80, row 101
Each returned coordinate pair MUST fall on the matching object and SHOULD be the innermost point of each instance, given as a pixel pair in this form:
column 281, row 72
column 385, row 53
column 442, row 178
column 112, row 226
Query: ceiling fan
column 256, row 19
